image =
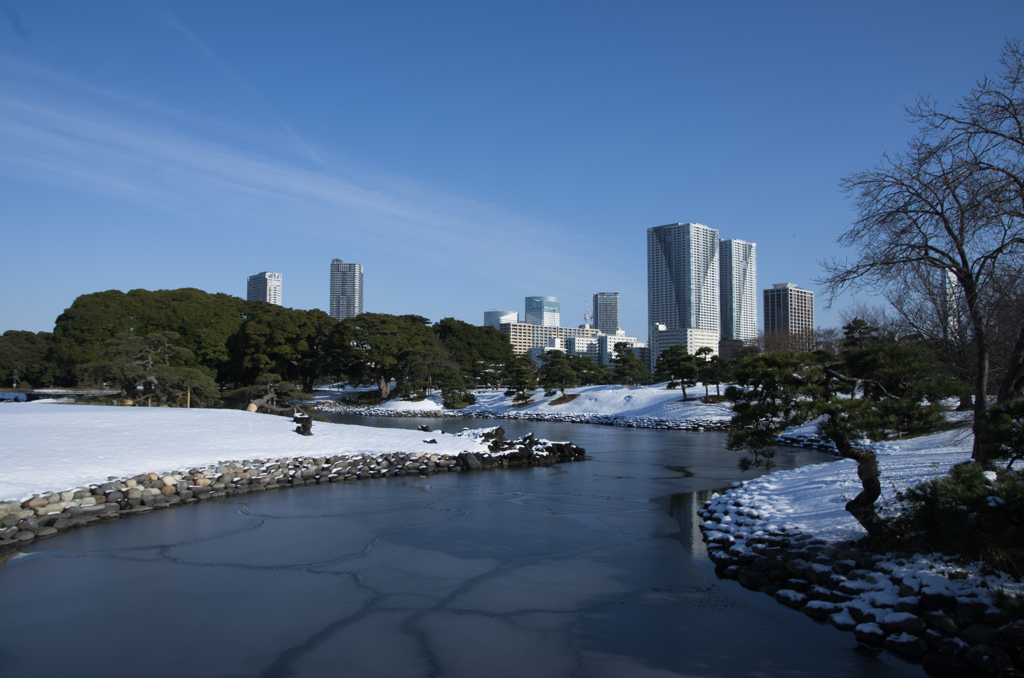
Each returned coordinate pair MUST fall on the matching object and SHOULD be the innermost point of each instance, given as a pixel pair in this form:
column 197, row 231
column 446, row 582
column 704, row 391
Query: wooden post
column 188, row 398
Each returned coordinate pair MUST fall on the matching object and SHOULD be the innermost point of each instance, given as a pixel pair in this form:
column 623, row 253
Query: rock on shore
column 912, row 606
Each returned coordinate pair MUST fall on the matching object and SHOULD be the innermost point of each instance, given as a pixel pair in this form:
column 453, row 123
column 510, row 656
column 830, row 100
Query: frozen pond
column 588, row 569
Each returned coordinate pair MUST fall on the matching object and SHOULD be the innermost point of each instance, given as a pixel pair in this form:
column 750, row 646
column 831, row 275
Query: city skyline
column 179, row 140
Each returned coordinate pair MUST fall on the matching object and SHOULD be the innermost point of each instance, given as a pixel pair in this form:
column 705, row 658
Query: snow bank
column 45, row 447
column 654, row 401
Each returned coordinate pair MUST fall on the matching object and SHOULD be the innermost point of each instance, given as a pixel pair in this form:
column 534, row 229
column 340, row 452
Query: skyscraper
column 682, row 287
column 606, row 312
column 544, row 311
column 346, row 289
column 738, row 300
column 789, row 310
column 682, row 277
column 265, row 286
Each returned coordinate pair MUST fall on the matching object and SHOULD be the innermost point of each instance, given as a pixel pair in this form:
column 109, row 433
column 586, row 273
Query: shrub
column 459, row 400
column 977, row 515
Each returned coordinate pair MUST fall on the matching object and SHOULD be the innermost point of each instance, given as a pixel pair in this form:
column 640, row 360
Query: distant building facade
column 495, row 318
column 606, row 346
column 265, row 286
column 737, row 261
column 683, row 288
column 789, row 310
column 682, row 277
column 346, row 289
column 606, row 312
column 692, row 338
column 543, row 311
column 581, row 340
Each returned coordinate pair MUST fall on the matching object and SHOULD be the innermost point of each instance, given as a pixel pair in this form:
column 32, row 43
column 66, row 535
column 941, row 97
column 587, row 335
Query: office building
column 265, row 286
column 606, row 312
column 496, row 318
column 737, row 262
column 543, row 311
column 606, row 346
column 683, row 286
column 692, row 338
column 524, row 336
column 789, row 310
column 346, row 289
column 682, row 277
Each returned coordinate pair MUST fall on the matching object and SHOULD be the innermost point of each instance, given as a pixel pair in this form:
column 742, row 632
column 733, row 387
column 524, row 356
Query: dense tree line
column 169, row 344
column 23, row 359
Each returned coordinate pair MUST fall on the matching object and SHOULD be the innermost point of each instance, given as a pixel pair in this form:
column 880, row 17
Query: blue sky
column 468, row 154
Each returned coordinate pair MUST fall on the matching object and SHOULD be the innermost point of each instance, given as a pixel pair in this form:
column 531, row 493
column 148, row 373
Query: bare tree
column 950, row 208
column 887, row 327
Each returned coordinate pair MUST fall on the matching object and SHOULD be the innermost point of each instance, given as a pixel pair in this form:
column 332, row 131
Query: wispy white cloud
column 74, row 135
column 56, row 130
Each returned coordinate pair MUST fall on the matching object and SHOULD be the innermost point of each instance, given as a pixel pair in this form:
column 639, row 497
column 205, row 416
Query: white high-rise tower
column 682, row 277
column 346, row 289
column 682, row 287
column 738, row 302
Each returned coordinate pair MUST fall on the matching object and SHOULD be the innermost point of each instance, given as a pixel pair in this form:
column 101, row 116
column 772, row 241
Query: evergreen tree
column 455, row 385
column 23, row 359
column 557, row 372
column 379, row 348
column 874, row 390
column 629, row 369
column 520, row 374
column 588, row 371
column 676, row 363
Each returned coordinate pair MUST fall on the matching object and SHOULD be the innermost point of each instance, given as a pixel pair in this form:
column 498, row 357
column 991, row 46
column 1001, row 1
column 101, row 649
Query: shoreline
column 47, row 514
column 813, row 442
column 925, row 608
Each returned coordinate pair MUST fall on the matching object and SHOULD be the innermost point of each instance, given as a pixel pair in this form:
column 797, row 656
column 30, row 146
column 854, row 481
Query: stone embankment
column 47, row 514
column 907, row 606
column 572, row 418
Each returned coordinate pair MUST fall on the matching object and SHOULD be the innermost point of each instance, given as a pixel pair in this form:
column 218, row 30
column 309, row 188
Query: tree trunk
column 862, row 507
column 984, row 451
column 1014, row 376
column 383, row 386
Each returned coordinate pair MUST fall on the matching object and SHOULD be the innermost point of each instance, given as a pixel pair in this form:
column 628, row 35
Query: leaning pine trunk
column 862, row 507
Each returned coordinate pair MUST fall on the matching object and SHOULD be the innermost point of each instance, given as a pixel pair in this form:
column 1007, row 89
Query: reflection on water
column 592, row 568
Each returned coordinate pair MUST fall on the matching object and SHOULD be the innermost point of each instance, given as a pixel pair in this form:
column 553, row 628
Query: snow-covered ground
column 51, row 447
column 892, row 594
column 811, row 499
column 638, row 402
